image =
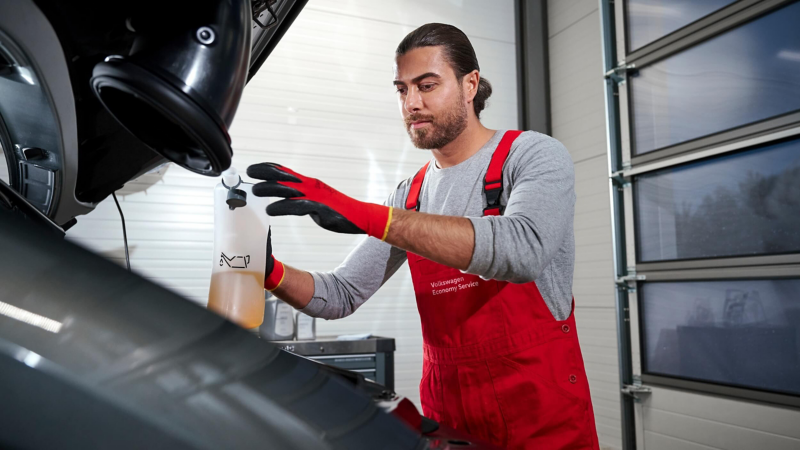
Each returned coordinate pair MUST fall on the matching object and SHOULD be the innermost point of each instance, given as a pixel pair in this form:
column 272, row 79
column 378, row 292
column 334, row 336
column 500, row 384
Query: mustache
column 416, row 118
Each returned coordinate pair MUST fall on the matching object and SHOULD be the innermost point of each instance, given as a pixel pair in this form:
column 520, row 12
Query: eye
column 401, row 90
column 426, row 87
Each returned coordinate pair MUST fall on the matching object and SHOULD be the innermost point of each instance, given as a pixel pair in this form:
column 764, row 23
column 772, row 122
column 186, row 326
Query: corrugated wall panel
column 656, row 440
column 678, row 419
column 715, row 434
column 770, row 419
column 578, row 120
column 323, row 104
column 562, row 15
column 3, row 166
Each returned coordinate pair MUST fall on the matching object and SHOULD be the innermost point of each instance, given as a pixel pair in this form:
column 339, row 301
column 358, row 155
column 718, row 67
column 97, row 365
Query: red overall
column 496, row 362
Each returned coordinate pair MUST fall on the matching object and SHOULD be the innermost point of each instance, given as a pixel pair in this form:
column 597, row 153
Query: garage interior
column 682, row 119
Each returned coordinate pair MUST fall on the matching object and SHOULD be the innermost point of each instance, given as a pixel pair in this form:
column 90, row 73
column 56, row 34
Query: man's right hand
column 276, row 271
column 293, row 286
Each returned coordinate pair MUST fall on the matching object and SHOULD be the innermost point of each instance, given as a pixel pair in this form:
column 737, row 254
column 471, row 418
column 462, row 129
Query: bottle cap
column 230, row 178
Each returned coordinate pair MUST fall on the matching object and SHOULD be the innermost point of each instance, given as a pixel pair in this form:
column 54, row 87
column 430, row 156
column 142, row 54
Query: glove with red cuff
column 273, row 276
column 329, row 208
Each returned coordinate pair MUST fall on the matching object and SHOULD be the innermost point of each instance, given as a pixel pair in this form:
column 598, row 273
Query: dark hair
column 458, row 51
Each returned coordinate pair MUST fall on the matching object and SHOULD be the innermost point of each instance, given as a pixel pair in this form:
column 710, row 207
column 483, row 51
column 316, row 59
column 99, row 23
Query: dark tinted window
column 741, row 204
column 649, row 20
column 743, row 76
column 743, row 333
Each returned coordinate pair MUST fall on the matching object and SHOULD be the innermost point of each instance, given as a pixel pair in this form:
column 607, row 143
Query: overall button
column 565, row 328
column 573, row 379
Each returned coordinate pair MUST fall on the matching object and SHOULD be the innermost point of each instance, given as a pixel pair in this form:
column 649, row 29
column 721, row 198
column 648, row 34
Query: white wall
column 3, row 166
column 324, row 105
column 671, row 419
column 578, row 121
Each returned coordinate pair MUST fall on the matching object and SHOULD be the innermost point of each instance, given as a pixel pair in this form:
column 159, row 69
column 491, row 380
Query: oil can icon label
column 234, row 262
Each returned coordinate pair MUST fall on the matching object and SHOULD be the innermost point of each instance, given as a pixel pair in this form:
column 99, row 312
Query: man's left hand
column 329, row 208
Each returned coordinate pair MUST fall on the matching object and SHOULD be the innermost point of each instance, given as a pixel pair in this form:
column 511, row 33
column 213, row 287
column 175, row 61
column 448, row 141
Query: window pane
column 743, row 76
column 743, row 333
column 735, row 205
column 649, row 20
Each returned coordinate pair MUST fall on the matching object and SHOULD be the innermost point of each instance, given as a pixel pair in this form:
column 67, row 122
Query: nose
column 413, row 101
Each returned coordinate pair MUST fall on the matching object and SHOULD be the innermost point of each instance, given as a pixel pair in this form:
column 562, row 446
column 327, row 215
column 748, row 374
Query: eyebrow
column 419, row 78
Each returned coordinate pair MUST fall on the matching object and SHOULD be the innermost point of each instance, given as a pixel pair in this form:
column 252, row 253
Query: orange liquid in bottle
column 238, row 296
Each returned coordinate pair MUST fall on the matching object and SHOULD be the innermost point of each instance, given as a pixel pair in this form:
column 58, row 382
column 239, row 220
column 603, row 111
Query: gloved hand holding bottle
column 275, row 271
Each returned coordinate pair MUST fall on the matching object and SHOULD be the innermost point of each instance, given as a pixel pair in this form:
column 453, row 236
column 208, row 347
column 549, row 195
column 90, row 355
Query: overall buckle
column 493, row 207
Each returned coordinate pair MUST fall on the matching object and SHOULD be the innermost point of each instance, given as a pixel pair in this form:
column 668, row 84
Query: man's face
column 431, row 98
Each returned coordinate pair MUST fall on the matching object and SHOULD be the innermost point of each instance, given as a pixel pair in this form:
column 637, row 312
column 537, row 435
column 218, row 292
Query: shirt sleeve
column 539, row 194
column 341, row 292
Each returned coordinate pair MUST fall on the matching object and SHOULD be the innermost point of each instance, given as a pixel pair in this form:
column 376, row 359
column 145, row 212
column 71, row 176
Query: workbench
column 373, row 357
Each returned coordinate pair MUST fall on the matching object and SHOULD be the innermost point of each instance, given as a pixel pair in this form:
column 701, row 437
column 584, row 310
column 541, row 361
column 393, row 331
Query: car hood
column 64, row 149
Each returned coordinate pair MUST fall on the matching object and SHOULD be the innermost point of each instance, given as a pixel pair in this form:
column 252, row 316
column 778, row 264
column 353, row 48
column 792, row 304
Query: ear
column 470, row 84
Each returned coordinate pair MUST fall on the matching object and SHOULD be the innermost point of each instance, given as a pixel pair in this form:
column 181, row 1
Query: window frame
column 716, row 23
column 711, row 261
column 721, row 390
column 681, row 32
column 733, row 140
column 711, row 387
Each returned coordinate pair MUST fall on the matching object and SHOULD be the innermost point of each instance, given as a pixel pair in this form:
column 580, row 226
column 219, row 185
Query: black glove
column 273, row 275
column 329, row 208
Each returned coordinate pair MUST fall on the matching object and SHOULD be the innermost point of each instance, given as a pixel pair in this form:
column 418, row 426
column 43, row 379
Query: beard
column 442, row 130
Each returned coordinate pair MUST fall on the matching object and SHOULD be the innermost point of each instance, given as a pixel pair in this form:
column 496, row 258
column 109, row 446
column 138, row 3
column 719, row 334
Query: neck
column 464, row 146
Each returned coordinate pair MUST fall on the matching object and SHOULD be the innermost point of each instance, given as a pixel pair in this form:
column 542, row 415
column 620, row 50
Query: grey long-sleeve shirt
column 532, row 241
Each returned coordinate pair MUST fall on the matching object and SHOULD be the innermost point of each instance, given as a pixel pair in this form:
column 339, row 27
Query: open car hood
column 98, row 357
column 64, row 149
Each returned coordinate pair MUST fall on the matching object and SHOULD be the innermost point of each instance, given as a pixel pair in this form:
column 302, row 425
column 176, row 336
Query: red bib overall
column 496, row 362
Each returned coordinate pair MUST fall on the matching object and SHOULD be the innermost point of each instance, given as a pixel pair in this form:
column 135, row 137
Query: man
column 486, row 227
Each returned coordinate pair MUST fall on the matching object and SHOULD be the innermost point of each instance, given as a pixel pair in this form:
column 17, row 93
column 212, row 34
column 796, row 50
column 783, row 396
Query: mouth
column 420, row 124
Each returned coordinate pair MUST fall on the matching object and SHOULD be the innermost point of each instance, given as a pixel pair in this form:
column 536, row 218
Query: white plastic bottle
column 240, row 242
column 305, row 328
column 278, row 320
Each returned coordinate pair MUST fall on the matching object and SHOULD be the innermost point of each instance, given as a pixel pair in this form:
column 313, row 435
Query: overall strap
column 493, row 182
column 412, row 201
